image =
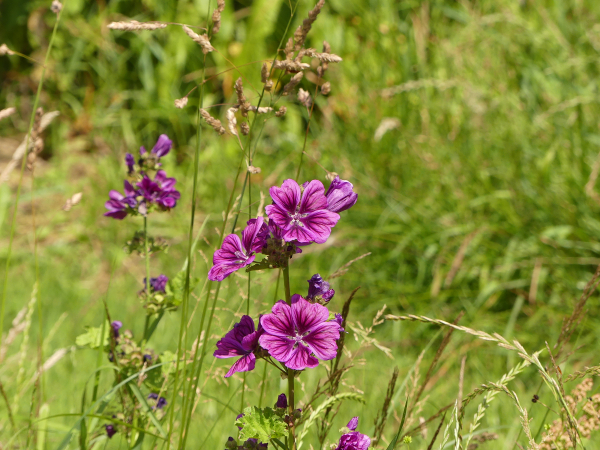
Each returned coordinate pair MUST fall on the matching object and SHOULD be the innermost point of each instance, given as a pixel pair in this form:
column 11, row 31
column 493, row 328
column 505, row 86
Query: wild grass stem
column 290, row 372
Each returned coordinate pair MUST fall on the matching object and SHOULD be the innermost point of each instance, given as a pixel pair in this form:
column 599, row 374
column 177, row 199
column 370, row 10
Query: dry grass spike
column 304, row 98
column 302, row 31
column 287, row 89
column 214, row 123
column 326, row 88
column 281, row 112
column 56, row 6
column 134, row 25
column 4, row 50
column 245, row 128
column 216, row 17
column 231, row 120
column 181, row 102
column 7, row 112
column 290, row 65
column 200, row 39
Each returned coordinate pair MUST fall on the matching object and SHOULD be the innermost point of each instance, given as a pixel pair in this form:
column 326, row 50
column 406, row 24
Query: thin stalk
column 14, row 216
column 310, row 114
column 147, row 257
column 262, row 386
column 290, row 372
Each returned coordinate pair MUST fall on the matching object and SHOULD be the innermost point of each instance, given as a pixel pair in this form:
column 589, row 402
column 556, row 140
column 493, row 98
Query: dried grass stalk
column 231, row 120
column 287, row 89
column 214, row 123
column 243, row 103
column 264, row 77
column 216, row 17
column 134, row 25
column 38, row 143
column 381, row 418
column 260, row 110
column 201, row 39
column 254, row 170
column 302, row 31
column 74, row 200
column 4, row 50
column 325, row 57
column 7, row 112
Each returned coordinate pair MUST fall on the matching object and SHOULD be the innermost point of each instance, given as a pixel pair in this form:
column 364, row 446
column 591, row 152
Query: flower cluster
column 299, row 216
column 146, row 194
column 352, row 439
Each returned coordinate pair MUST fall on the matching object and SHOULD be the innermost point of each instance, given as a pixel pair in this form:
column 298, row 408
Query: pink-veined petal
column 280, row 321
column 313, row 197
column 280, row 348
column 244, row 364
column 319, row 223
column 301, row 358
column 250, row 232
column 278, row 216
column 287, row 197
column 308, row 315
column 322, row 340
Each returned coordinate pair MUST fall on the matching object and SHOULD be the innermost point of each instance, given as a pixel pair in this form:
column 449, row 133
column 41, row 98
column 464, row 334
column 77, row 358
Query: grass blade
column 395, row 440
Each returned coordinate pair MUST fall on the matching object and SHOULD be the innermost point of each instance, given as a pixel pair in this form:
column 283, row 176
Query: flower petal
column 322, row 340
column 307, row 315
column 244, row 364
column 313, row 197
column 278, row 217
column 280, row 348
column 319, row 224
column 301, row 358
column 221, row 271
column 280, row 322
column 250, row 232
column 287, row 197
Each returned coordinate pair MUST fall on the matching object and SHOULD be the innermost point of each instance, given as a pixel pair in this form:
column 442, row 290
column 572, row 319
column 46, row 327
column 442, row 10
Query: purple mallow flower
column 160, row 191
column 242, row 340
column 293, row 334
column 161, row 148
column 281, row 401
column 130, row 162
column 353, row 440
column 340, row 195
column 161, row 402
column 110, row 430
column 120, row 205
column 317, row 287
column 158, row 284
column 235, row 253
column 301, row 215
column 116, row 326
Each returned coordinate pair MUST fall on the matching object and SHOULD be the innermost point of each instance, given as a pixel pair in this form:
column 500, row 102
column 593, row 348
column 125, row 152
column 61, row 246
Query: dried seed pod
column 134, row 25
column 304, row 98
column 326, row 88
column 201, row 39
column 214, row 123
column 287, row 89
column 281, row 112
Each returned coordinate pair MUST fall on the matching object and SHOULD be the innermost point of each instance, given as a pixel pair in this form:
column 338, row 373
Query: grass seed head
column 214, row 123
column 134, row 25
column 245, row 128
column 232, row 121
column 326, row 88
column 4, row 50
column 281, row 112
column 290, row 65
column 4, row 113
column 304, row 98
column 302, row 31
column 56, row 6
column 200, row 39
column 181, row 102
column 287, row 89
column 216, row 17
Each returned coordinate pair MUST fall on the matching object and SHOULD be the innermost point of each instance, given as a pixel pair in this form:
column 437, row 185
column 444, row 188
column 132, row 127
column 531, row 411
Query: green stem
column 147, row 256
column 290, row 372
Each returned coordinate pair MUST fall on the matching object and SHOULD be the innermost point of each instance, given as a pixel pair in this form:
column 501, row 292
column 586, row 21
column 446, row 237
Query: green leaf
column 262, row 424
column 175, row 288
column 91, row 338
column 393, row 443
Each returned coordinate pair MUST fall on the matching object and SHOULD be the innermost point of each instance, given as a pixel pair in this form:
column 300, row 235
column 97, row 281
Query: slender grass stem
column 147, row 258
column 310, row 114
column 14, row 215
column 290, row 373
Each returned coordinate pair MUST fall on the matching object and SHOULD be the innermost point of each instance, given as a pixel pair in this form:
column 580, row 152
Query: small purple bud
column 162, row 402
column 152, row 396
column 116, row 326
column 317, row 287
column 281, row 401
column 142, row 150
column 231, row 444
column 130, row 162
column 147, row 358
column 353, row 424
column 162, row 146
column 239, row 416
column 340, row 320
column 340, row 195
column 110, row 430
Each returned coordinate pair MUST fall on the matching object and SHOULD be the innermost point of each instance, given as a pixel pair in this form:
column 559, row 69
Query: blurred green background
column 469, row 129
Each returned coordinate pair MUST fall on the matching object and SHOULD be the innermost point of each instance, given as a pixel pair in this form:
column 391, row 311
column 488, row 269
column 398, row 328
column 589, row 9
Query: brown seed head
column 7, row 112
column 326, row 47
column 245, row 128
column 264, row 73
column 326, row 88
column 292, row 83
column 289, row 48
column 281, row 112
column 216, row 17
column 231, row 120
column 4, row 50
column 304, row 98
column 201, row 39
column 134, row 25
column 181, row 102
column 302, row 31
column 291, row 65
column 214, row 123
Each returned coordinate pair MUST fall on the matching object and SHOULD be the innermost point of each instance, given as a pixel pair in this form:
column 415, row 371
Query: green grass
column 498, row 113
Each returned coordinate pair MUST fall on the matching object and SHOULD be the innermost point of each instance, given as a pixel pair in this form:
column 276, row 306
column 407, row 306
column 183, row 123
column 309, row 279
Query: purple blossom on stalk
column 116, row 326
column 161, row 402
column 242, row 340
column 234, row 253
column 160, row 191
column 340, row 195
column 340, row 320
column 293, row 334
column 110, row 430
column 281, row 401
column 130, row 162
column 317, row 287
column 161, row 148
column 238, row 417
column 301, row 215
column 120, row 205
column 158, row 284
column 353, row 440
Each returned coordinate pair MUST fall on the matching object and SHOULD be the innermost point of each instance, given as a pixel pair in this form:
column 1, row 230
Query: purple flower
column 120, row 205
column 110, row 430
column 130, row 162
column 160, row 191
column 340, row 320
column 302, row 216
column 281, row 401
column 116, row 326
column 317, row 288
column 353, row 440
column 161, row 402
column 340, row 195
column 353, row 424
column 294, row 333
column 161, row 148
column 242, row 340
column 235, row 253
column 253, row 444
column 158, row 284
column 238, row 417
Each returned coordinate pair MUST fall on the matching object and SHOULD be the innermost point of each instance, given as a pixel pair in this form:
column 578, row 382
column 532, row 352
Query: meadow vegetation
column 470, row 131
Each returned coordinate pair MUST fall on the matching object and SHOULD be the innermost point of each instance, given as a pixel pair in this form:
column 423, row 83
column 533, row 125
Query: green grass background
column 496, row 107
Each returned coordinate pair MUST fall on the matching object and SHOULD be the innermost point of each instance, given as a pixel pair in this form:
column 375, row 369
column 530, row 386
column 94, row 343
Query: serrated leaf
column 175, row 288
column 91, row 338
column 262, row 424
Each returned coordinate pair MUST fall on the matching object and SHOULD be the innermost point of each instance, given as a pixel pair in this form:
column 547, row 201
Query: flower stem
column 290, row 372
column 147, row 256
